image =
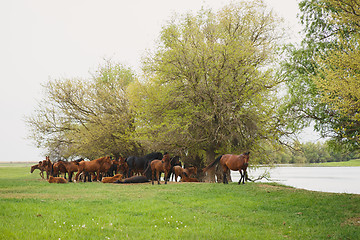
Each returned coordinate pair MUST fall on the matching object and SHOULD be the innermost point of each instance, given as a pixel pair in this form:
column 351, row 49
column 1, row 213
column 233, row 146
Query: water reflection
column 324, row 179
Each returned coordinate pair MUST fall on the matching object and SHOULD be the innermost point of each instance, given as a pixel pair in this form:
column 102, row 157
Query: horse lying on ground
column 178, row 171
column 186, row 178
column 57, row 180
column 232, row 162
column 112, row 179
column 160, row 166
column 134, row 179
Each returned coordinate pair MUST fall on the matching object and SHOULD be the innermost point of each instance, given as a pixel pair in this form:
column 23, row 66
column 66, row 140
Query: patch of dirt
column 355, row 221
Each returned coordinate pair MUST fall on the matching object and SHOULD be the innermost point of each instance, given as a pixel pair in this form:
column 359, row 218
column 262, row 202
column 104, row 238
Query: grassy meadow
column 31, row 208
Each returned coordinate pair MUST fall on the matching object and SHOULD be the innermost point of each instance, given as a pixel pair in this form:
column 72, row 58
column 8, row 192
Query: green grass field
column 31, row 208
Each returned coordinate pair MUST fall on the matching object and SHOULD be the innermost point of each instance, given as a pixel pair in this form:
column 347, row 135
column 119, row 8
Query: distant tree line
column 303, row 153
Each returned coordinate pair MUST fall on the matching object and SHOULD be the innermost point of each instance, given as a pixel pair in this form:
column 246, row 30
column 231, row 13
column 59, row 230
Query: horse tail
column 147, row 168
column 213, row 163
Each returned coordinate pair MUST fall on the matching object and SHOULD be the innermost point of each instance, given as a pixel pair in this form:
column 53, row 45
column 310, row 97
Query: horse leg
column 97, row 175
column 158, row 176
column 77, row 176
column 225, row 181
column 70, row 176
column 165, row 176
column 244, row 176
column 152, row 176
column 241, row 176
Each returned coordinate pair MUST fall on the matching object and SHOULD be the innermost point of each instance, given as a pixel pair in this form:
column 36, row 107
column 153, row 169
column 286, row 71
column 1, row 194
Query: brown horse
column 47, row 166
column 234, row 163
column 112, row 179
column 57, row 180
column 178, row 171
column 38, row 166
column 160, row 166
column 123, row 167
column 95, row 166
column 59, row 168
column 186, row 178
column 70, row 167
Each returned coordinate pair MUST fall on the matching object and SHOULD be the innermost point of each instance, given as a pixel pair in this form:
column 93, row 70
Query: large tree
column 322, row 73
column 209, row 86
column 86, row 117
column 338, row 78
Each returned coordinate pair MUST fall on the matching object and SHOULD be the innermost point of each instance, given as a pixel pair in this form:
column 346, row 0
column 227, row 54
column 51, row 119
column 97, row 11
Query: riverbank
column 324, row 179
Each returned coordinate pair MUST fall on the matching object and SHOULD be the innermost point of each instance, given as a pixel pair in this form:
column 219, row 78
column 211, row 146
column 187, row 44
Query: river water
column 324, row 179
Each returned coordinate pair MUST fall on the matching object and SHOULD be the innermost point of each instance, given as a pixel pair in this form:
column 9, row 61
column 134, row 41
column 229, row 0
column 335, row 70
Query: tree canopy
column 209, row 86
column 86, row 117
column 323, row 73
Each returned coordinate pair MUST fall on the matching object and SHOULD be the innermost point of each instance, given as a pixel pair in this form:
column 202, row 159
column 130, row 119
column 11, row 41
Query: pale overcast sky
column 43, row 39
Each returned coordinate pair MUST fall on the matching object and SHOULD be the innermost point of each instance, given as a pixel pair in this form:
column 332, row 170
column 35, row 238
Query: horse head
column 166, row 157
column 246, row 157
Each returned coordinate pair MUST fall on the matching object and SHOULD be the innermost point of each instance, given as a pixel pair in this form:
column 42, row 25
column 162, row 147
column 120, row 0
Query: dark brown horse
column 70, row 167
column 59, row 168
column 123, row 167
column 97, row 166
column 160, row 166
column 232, row 162
column 133, row 179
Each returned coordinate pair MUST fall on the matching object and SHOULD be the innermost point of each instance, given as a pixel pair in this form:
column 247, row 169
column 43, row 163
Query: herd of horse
column 136, row 169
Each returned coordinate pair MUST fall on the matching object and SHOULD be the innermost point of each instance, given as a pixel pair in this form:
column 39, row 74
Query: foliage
column 88, row 118
column 322, row 73
column 210, row 86
column 338, row 79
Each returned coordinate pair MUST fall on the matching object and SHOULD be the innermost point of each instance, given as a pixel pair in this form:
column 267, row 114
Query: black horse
column 134, row 179
column 139, row 164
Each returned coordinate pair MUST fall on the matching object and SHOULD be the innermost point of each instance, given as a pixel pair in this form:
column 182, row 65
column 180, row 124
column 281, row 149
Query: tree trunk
column 210, row 174
column 219, row 172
